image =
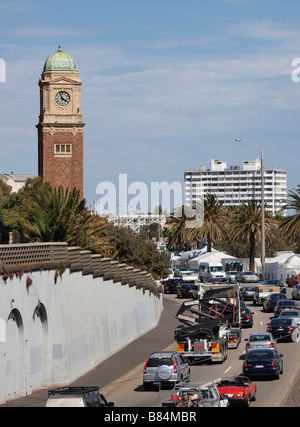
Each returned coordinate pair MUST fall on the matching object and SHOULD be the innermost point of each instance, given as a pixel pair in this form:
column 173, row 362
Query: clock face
column 62, row 98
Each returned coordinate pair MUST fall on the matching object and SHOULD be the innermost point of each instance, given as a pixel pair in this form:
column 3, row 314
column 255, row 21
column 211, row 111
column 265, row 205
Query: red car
column 238, row 390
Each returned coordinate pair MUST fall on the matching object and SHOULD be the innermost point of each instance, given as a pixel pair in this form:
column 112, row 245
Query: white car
column 247, row 277
column 231, row 275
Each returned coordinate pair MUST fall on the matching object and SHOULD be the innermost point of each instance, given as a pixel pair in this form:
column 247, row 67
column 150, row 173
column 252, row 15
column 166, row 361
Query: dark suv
column 270, row 302
column 170, row 285
column 165, row 368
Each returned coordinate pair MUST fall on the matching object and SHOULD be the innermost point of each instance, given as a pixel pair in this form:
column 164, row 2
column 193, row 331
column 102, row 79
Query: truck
column 209, row 325
column 211, row 270
column 292, row 281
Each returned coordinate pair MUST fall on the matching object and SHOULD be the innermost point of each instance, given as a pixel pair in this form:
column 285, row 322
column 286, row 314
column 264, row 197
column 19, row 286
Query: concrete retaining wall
column 61, row 319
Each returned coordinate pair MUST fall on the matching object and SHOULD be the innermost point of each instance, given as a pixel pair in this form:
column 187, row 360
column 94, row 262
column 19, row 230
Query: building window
column 64, row 150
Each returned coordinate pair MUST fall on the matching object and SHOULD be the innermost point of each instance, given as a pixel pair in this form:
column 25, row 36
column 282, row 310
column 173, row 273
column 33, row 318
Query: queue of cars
column 262, row 357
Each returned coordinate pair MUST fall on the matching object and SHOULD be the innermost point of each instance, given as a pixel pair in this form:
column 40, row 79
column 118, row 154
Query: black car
column 271, row 301
column 247, row 292
column 246, row 317
column 263, row 363
column 284, row 304
column 170, row 285
column 284, row 328
column 185, row 290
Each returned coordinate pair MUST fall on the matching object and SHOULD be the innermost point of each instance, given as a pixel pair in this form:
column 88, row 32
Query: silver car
column 260, row 340
column 246, row 277
column 165, row 368
column 296, row 292
column 292, row 314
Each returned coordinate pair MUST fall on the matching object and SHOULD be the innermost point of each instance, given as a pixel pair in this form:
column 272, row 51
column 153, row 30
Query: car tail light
column 248, row 345
column 272, row 345
column 269, row 328
column 291, row 328
column 175, row 366
column 145, row 367
column 245, row 365
column 273, row 364
column 248, row 317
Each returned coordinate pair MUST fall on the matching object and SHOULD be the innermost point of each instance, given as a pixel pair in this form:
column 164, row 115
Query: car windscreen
column 156, row 362
column 281, row 322
column 264, row 337
column 259, row 355
column 286, row 303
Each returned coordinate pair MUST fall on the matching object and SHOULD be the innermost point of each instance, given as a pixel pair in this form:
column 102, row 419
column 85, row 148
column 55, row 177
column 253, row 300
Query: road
column 128, row 390
column 121, row 376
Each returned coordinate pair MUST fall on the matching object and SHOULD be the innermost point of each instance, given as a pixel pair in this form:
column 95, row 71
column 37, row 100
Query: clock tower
column 60, row 127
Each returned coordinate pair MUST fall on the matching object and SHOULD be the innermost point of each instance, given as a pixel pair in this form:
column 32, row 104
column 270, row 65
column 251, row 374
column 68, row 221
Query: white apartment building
column 234, row 185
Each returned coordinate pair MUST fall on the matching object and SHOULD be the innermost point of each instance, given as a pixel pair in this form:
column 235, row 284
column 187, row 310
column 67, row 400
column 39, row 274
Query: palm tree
column 246, row 225
column 214, row 224
column 179, row 237
column 48, row 214
column 290, row 225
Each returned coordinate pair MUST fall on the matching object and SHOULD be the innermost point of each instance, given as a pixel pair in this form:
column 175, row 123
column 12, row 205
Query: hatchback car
column 283, row 305
column 284, row 329
column 170, row 285
column 185, row 290
column 247, row 292
column 246, row 277
column 296, row 292
column 263, row 363
column 165, row 368
column 260, row 340
column 246, row 318
column 269, row 303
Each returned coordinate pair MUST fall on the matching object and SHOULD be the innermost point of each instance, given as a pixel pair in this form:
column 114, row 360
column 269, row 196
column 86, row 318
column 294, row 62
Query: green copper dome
column 60, row 61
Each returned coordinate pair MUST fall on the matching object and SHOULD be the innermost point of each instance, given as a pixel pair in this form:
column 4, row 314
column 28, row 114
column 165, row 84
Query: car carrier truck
column 210, row 325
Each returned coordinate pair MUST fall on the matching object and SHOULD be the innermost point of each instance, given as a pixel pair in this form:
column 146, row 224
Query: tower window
column 64, row 150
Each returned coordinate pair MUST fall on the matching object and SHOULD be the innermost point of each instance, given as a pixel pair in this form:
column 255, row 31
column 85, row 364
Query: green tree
column 46, row 214
column 215, row 220
column 246, row 225
column 290, row 225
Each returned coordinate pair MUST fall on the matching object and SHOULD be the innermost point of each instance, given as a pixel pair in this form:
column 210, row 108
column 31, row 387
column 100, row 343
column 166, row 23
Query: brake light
column 248, row 345
column 145, row 367
column 175, row 366
column 269, row 328
column 248, row 317
column 245, row 365
column 273, row 364
column 291, row 328
column 272, row 345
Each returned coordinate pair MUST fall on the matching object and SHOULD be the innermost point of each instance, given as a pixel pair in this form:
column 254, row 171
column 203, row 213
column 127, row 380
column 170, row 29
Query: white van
column 211, row 270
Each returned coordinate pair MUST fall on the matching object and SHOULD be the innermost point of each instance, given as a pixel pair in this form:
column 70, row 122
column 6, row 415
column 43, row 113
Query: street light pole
column 263, row 239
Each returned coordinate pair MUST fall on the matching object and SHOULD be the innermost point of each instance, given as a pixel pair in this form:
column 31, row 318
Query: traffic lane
column 273, row 392
column 128, row 391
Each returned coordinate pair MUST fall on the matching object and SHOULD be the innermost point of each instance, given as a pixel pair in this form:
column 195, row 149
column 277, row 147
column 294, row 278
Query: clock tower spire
column 60, row 127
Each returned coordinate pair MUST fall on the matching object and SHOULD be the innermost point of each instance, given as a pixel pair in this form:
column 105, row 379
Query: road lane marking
column 227, row 369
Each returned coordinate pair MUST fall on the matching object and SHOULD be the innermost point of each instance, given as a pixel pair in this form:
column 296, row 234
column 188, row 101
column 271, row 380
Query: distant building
column 234, row 185
column 15, row 180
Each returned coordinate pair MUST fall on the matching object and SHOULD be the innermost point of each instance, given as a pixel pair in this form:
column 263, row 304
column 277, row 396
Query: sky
column 167, row 85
